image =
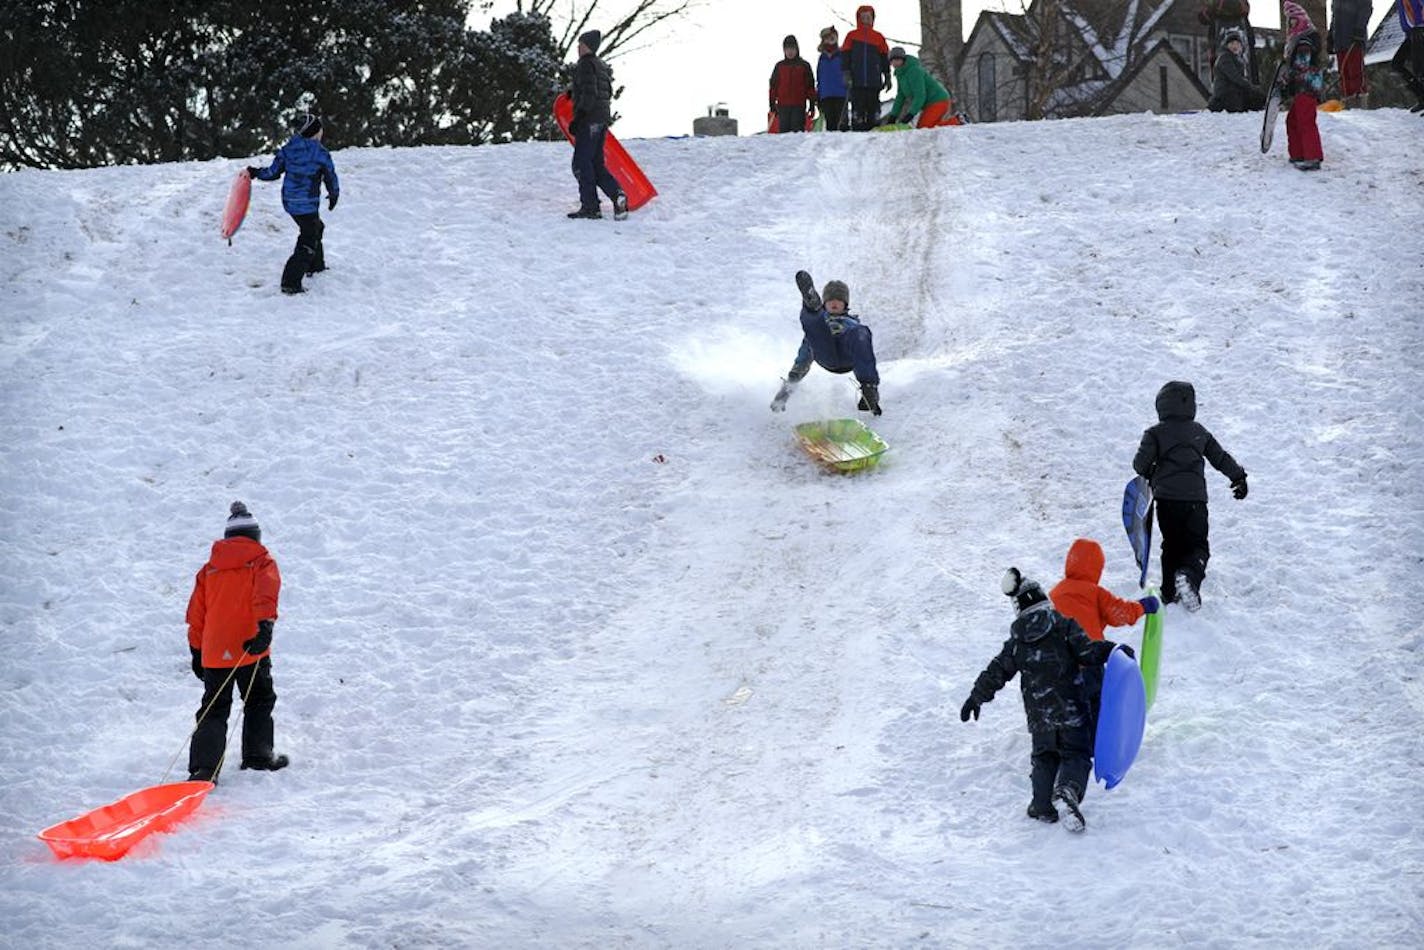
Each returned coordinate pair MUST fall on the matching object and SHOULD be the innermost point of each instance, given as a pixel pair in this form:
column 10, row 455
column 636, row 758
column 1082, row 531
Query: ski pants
column 1185, row 548
column 308, row 256
column 791, row 118
column 1352, row 70
column 864, row 108
column 1060, row 757
column 1302, row 134
column 589, row 170
column 833, row 111
column 1408, row 60
column 933, row 115
column 254, row 683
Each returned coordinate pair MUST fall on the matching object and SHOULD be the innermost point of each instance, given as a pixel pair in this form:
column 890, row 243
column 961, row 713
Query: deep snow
column 543, row 689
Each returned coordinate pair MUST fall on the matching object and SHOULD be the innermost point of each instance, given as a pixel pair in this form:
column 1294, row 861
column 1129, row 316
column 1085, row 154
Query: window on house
column 988, row 89
column 1186, row 48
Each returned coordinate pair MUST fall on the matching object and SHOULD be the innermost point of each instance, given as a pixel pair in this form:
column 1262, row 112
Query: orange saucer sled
column 110, row 831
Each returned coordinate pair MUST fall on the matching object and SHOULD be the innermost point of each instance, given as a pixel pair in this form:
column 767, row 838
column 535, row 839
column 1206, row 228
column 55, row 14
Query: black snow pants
column 1060, row 757
column 864, row 108
column 210, row 739
column 833, row 111
column 1185, row 548
column 308, row 256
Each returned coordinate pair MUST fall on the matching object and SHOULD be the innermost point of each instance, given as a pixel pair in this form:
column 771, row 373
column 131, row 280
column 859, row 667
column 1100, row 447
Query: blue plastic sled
column 1137, row 520
column 1121, row 720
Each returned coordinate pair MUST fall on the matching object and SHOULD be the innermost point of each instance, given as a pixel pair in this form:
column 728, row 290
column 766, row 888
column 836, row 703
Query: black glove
column 331, row 201
column 197, row 661
column 886, row 87
column 1238, row 488
column 263, row 641
column 970, row 708
column 807, row 286
column 252, row 171
column 869, row 398
column 1128, row 650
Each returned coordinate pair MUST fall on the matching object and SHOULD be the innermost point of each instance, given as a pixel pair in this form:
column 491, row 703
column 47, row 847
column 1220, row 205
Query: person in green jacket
column 917, row 91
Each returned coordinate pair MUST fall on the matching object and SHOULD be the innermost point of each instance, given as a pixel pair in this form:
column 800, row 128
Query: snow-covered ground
column 576, row 649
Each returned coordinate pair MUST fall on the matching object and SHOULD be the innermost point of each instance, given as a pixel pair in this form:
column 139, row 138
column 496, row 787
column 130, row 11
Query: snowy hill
column 577, row 650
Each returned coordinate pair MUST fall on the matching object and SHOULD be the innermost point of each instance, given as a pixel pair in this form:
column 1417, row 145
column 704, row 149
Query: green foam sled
column 1150, row 657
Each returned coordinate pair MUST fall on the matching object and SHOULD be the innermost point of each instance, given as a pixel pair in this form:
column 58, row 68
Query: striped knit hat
column 309, row 125
column 241, row 523
column 1297, row 20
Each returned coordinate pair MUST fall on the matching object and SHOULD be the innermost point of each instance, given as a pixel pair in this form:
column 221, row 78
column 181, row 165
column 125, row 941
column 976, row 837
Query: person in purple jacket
column 306, row 164
column 830, row 80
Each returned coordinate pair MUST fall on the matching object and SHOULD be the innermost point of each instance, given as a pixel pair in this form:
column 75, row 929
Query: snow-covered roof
column 1389, row 35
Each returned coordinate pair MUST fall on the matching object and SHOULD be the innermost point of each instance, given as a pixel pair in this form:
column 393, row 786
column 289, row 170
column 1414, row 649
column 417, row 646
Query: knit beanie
column 790, row 43
column 836, row 290
column 897, row 52
column 241, row 523
column 1297, row 20
column 591, row 39
column 309, row 125
column 1024, row 591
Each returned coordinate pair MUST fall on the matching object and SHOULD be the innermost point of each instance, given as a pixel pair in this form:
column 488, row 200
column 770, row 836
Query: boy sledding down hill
column 835, row 339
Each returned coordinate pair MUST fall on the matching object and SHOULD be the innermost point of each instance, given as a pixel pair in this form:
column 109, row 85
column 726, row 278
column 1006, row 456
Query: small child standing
column 1050, row 652
column 830, row 81
column 306, row 164
column 1301, row 85
column 230, row 618
column 1170, row 458
column 793, row 89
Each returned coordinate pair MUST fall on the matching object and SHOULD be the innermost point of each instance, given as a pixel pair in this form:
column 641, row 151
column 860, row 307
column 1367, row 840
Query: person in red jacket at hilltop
column 867, row 66
column 230, row 618
column 793, row 89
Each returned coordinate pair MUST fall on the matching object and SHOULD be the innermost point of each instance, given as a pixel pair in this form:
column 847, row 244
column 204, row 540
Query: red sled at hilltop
column 615, row 158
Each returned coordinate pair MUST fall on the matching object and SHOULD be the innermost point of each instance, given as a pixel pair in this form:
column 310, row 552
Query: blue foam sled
column 1121, row 720
column 1137, row 520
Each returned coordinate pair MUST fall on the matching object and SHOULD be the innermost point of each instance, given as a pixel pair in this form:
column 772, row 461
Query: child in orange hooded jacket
column 230, row 617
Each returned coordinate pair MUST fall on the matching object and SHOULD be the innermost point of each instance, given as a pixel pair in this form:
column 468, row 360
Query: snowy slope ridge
column 542, row 688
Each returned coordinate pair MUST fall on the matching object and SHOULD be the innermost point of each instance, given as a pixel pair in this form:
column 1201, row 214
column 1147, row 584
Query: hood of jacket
column 1084, row 561
column 1176, row 400
column 864, row 8
column 1034, row 623
column 235, row 552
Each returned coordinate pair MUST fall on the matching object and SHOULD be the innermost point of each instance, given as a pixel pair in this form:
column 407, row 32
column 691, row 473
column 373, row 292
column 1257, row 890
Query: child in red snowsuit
column 230, row 618
column 1301, row 85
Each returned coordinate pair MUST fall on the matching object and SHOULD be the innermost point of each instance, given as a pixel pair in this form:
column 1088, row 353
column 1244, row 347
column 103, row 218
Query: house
column 1087, row 57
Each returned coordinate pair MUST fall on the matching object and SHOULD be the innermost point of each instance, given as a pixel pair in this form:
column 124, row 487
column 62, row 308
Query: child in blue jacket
column 306, row 164
column 835, row 339
column 830, row 80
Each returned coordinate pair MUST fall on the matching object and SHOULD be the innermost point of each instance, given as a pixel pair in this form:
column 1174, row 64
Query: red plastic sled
column 615, row 158
column 109, row 832
column 238, row 197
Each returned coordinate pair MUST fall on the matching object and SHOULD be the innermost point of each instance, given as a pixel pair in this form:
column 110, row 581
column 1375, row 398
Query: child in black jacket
column 1050, row 652
column 1170, row 457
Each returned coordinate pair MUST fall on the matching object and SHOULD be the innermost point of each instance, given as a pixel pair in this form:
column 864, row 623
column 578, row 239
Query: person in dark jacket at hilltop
column 867, row 68
column 306, row 164
column 592, row 93
column 1231, row 91
column 1346, row 39
column 1050, row 654
column 835, row 339
column 793, row 89
column 1171, row 458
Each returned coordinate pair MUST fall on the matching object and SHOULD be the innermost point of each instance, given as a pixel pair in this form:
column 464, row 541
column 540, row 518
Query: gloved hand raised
column 1238, row 488
column 197, row 661
column 970, row 708
column 809, row 297
column 262, row 642
column 1150, row 604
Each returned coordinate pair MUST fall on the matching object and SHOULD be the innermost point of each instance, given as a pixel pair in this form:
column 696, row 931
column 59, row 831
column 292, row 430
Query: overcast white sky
column 723, row 52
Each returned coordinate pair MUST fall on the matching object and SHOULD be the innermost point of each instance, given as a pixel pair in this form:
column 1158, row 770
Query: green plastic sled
column 1150, row 657
column 844, row 445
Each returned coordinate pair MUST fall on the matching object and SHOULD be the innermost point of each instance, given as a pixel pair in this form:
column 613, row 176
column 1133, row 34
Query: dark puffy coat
column 1048, row 652
column 592, row 91
column 1349, row 23
column 1231, row 91
column 306, row 164
column 793, row 83
column 1171, row 453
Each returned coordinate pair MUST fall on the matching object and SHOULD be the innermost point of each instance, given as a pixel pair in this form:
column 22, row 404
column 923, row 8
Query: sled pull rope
column 204, row 715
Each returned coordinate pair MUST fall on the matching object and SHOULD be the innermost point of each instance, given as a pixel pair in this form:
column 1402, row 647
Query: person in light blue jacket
column 306, row 164
column 831, row 81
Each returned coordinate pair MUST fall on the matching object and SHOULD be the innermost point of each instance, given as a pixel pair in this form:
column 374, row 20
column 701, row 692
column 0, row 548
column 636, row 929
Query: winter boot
column 1044, row 813
column 202, row 775
column 294, row 290
column 269, row 764
column 1187, row 594
column 620, row 207
column 809, row 298
column 593, row 214
column 1068, row 795
column 869, row 398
